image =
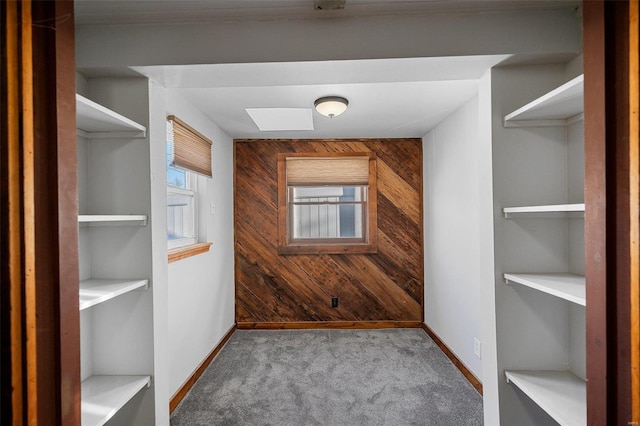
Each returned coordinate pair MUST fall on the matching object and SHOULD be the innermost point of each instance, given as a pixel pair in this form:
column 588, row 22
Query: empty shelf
column 556, row 108
column 95, row 121
column 103, row 396
column 560, row 210
column 113, row 219
column 565, row 286
column 560, row 393
column 96, row 291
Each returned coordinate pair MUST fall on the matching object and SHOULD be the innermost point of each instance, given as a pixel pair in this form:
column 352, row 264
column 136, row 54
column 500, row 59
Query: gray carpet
column 330, row 377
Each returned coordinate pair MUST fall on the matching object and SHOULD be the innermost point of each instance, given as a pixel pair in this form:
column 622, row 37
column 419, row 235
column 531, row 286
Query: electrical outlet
column 334, row 302
column 212, row 209
column 477, row 347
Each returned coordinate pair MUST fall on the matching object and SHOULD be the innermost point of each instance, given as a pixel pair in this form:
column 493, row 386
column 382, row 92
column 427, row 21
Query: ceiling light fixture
column 331, row 106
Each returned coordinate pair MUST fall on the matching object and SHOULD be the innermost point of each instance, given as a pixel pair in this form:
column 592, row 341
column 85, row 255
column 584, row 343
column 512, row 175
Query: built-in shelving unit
column 541, row 341
column 113, row 219
column 555, row 210
column 558, row 107
column 569, row 287
column 107, row 321
column 95, row 121
column 95, row 291
column 103, row 396
column 560, row 393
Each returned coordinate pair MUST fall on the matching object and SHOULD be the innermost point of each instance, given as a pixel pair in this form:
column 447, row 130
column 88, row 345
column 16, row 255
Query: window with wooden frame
column 188, row 155
column 327, row 203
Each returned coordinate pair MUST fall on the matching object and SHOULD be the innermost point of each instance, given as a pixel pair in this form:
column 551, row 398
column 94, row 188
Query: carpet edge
column 471, row 378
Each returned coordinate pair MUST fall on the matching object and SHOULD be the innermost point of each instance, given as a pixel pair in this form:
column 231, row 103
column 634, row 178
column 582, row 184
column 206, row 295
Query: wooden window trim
column 285, row 246
column 180, row 253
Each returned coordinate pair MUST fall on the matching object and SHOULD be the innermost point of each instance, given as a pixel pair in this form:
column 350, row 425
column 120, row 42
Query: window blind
column 327, row 170
column 190, row 149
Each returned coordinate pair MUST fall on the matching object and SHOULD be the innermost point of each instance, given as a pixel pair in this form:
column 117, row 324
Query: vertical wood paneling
column 290, row 289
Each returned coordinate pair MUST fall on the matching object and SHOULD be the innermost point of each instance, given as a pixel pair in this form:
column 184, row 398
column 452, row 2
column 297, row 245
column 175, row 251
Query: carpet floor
column 330, row 377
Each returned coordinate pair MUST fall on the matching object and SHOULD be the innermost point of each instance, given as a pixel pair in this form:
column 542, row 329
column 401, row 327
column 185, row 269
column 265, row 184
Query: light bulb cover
column 331, row 106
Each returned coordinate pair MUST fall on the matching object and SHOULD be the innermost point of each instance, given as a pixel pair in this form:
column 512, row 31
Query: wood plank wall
column 293, row 291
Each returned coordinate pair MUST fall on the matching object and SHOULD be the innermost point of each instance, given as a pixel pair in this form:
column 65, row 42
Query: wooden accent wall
column 381, row 289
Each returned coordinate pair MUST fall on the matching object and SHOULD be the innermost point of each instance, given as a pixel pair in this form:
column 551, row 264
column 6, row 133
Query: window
column 181, row 202
column 188, row 155
column 181, row 208
column 327, row 203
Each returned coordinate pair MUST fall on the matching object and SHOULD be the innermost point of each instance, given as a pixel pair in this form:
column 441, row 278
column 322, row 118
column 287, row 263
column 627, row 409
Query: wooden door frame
column 611, row 217
column 39, row 234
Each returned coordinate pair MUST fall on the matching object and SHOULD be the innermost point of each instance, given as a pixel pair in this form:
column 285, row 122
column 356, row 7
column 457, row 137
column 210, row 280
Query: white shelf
column 95, row 291
column 563, row 105
column 560, row 393
column 569, row 287
column 113, row 219
column 103, row 396
column 95, row 121
column 560, row 210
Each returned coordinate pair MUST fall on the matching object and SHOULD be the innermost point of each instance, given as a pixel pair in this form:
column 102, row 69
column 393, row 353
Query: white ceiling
column 387, row 97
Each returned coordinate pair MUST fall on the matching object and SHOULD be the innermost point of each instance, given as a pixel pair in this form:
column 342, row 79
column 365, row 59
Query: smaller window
column 181, row 203
column 182, row 194
column 327, row 203
column 181, row 212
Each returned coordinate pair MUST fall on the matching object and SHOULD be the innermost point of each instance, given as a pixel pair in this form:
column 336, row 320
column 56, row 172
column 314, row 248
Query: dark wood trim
column 634, row 205
column 43, row 248
column 310, row 325
column 595, row 211
column 55, row 253
column 65, row 224
column 475, row 382
column 188, row 251
column 609, row 238
column 188, row 384
column 11, row 270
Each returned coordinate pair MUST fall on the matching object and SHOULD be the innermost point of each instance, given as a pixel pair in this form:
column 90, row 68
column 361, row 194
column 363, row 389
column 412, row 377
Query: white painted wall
column 427, row 35
column 490, row 377
column 452, row 239
column 201, row 288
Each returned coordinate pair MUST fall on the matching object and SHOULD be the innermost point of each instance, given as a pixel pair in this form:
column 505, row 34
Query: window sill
column 188, row 251
column 328, row 249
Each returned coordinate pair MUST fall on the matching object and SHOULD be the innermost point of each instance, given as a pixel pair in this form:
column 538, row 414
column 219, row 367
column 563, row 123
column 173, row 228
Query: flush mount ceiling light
column 331, row 106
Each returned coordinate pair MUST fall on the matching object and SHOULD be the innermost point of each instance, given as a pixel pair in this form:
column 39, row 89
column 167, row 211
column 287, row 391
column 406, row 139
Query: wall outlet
column 334, row 302
column 212, row 209
column 477, row 347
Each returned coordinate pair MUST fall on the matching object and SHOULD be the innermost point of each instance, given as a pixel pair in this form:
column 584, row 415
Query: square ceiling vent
column 281, row 119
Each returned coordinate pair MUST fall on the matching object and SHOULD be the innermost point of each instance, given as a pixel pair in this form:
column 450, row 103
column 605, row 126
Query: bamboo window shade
column 190, row 149
column 351, row 170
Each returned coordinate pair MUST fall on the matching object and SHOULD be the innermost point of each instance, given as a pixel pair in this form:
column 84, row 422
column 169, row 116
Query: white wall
column 452, row 239
column 201, row 288
column 490, row 377
column 426, row 35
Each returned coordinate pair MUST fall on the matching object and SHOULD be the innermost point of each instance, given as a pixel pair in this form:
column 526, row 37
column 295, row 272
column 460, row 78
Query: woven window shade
column 327, row 170
column 189, row 148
